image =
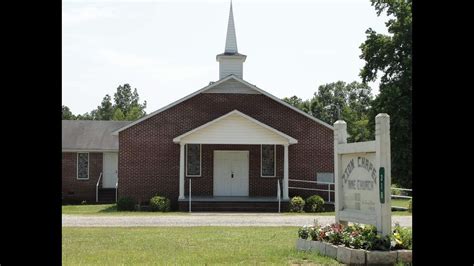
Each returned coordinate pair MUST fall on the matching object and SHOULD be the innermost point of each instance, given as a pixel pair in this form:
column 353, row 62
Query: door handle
column 232, row 175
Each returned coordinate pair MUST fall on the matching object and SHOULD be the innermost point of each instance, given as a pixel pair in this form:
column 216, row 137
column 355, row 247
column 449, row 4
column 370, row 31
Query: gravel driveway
column 207, row 219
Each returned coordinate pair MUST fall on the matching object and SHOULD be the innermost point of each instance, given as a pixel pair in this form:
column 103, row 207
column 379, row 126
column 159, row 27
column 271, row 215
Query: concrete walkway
column 207, row 219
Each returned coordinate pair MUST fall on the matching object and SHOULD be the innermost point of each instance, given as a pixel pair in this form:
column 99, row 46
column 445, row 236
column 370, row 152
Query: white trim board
column 98, row 151
column 286, row 139
column 215, row 84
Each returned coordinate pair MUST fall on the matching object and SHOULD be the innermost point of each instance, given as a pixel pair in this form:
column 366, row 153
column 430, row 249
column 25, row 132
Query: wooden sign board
column 362, row 177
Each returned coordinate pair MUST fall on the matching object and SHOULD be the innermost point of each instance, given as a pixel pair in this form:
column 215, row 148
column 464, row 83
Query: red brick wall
column 79, row 190
column 149, row 160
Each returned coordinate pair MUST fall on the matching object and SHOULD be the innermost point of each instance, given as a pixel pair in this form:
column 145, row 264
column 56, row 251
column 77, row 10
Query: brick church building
column 235, row 142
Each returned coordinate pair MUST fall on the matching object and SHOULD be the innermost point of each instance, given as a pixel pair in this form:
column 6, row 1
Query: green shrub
column 396, row 191
column 314, row 204
column 409, row 206
column 126, row 204
column 159, row 203
column 303, row 232
column 297, row 204
column 401, row 237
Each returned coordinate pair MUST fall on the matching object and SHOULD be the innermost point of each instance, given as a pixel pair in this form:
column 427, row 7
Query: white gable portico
column 234, row 128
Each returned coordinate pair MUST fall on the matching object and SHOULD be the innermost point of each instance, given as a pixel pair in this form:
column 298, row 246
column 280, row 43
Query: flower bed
column 356, row 244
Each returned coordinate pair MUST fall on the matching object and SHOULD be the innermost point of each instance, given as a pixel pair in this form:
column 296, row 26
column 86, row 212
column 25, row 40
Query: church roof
column 90, row 135
column 214, row 84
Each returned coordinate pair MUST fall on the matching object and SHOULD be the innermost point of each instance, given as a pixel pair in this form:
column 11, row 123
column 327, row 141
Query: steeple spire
column 231, row 62
column 231, row 39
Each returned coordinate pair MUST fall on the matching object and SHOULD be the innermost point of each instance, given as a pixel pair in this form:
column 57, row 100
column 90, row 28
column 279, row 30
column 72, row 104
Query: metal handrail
column 314, row 182
column 189, row 194
column 97, row 188
column 116, row 190
column 328, row 190
column 279, row 195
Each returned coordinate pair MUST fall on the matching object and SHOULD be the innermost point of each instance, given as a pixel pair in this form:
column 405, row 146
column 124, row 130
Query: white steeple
column 231, row 62
column 231, row 39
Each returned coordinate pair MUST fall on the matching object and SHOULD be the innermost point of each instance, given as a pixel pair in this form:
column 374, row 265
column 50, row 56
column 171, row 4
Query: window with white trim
column 82, row 165
column 193, row 159
column 268, row 160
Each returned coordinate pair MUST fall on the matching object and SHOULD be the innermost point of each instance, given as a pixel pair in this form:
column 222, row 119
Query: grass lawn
column 400, row 202
column 107, row 209
column 185, row 245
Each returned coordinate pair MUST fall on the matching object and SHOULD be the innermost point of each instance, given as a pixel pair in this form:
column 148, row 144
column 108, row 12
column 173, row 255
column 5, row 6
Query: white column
column 285, row 174
column 181, row 171
column 382, row 146
column 340, row 137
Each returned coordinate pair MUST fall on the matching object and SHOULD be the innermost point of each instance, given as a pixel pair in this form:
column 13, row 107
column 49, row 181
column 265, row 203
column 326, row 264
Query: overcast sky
column 167, row 49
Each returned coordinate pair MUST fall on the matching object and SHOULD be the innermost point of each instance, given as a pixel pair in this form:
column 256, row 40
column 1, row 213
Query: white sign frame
column 382, row 216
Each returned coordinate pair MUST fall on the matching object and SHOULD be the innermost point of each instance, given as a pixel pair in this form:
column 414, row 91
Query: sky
column 167, row 49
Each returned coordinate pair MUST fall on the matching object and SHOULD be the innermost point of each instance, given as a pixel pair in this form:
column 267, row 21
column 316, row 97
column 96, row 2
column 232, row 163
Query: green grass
column 400, row 202
column 185, row 245
column 107, row 209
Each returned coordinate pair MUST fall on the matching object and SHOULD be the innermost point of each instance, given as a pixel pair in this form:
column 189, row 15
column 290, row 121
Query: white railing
column 97, row 188
column 278, row 195
column 190, row 195
column 401, row 196
column 328, row 190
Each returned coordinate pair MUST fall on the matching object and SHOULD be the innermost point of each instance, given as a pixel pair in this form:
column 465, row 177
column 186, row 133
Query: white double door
column 110, row 167
column 231, row 173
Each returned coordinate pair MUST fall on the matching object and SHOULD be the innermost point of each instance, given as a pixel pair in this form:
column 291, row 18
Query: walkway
column 207, row 219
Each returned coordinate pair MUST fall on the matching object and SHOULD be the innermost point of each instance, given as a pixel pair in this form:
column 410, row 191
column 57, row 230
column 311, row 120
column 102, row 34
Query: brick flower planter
column 381, row 257
column 404, row 256
column 355, row 256
column 331, row 250
column 303, row 244
column 350, row 256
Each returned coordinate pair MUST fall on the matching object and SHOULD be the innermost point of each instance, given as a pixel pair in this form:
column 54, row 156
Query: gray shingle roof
column 90, row 135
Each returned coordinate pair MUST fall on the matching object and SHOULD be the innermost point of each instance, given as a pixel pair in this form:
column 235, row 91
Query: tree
column 298, row 103
column 125, row 100
column 392, row 55
column 126, row 107
column 118, row 115
column 67, row 114
column 350, row 102
column 105, row 111
column 134, row 114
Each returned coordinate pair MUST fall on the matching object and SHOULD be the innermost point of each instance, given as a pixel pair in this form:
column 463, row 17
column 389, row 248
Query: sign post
column 362, row 177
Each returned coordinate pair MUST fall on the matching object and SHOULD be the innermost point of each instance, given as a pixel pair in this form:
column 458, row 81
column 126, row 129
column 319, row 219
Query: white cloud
column 319, row 52
column 87, row 13
column 160, row 69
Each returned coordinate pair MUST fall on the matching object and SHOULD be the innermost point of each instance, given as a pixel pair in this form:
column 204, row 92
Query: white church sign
column 362, row 177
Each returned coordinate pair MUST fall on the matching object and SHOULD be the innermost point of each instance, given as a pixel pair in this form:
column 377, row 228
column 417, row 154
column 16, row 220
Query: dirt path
column 207, row 219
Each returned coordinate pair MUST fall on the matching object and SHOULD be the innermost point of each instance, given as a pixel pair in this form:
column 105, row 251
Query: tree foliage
column 391, row 55
column 105, row 111
column 349, row 102
column 67, row 114
column 126, row 106
column 298, row 103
